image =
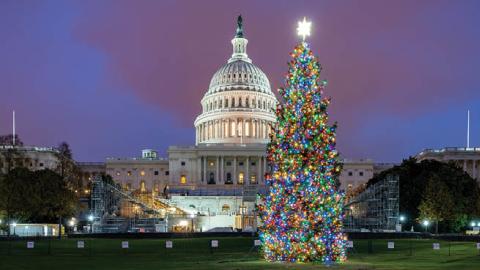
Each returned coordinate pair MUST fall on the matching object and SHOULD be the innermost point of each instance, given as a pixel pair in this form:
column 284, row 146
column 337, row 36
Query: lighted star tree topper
column 302, row 212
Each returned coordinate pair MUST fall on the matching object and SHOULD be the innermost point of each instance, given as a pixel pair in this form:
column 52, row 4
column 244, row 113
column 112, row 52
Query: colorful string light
column 302, row 212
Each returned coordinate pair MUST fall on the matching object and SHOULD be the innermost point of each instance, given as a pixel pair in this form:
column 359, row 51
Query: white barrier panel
column 391, row 245
column 81, row 244
column 214, row 244
column 349, row 244
column 124, row 244
column 257, row 243
column 168, row 244
column 30, row 244
column 436, row 245
column 478, row 245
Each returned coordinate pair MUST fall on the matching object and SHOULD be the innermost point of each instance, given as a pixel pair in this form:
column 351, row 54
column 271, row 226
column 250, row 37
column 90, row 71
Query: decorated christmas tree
column 302, row 211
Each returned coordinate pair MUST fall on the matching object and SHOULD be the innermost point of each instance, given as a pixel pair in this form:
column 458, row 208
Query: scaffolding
column 116, row 210
column 376, row 208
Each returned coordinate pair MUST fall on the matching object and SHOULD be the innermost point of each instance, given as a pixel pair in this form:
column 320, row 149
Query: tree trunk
column 436, row 226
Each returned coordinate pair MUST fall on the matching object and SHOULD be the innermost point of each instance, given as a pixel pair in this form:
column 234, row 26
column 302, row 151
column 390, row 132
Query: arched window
column 232, row 104
column 259, row 104
column 183, row 179
column 226, row 103
column 240, row 102
column 246, row 103
column 143, row 187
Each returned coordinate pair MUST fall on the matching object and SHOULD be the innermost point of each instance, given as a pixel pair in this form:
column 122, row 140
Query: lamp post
column 401, row 220
column 426, row 223
column 90, row 218
column 71, row 223
column 14, row 224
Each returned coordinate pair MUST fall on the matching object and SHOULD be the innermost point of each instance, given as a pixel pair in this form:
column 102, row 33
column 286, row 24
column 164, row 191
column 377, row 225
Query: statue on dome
column 239, row 27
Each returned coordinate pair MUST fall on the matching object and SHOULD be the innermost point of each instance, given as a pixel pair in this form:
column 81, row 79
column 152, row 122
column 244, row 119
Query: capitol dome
column 239, row 105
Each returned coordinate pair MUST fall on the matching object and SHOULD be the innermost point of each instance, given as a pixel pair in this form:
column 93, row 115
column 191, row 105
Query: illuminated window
column 253, row 179
column 129, row 173
column 183, row 179
column 239, row 130
column 232, row 129
column 142, row 173
column 211, row 163
column 240, row 178
column 143, row 187
column 118, row 173
column 247, row 127
column 225, row 208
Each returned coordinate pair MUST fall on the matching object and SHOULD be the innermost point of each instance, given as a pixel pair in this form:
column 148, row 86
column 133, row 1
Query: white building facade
column 466, row 158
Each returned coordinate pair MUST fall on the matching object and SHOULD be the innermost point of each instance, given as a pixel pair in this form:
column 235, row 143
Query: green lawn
column 233, row 253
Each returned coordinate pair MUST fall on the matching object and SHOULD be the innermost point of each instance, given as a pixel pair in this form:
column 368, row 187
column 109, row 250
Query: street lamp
column 90, row 218
column 426, row 223
column 14, row 224
column 402, row 218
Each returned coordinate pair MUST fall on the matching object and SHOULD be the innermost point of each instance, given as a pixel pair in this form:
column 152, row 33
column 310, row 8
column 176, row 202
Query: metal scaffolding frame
column 376, row 208
column 107, row 201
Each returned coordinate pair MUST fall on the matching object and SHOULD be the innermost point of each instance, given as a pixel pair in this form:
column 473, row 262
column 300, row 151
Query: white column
column 264, row 165
column 222, row 128
column 247, row 171
column 198, row 175
column 259, row 175
column 204, row 169
column 234, row 179
column 227, row 130
column 222, row 170
column 217, row 169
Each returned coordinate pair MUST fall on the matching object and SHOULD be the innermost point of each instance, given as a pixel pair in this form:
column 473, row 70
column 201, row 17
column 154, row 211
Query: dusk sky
column 114, row 77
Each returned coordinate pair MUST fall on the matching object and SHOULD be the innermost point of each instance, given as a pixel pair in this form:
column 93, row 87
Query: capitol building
column 220, row 175
column 232, row 132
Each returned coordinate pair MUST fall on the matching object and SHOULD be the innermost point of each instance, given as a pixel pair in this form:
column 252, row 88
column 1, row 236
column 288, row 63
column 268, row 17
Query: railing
column 451, row 149
column 29, row 148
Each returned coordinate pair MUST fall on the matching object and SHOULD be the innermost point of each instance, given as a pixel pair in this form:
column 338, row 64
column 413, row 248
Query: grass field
column 233, row 253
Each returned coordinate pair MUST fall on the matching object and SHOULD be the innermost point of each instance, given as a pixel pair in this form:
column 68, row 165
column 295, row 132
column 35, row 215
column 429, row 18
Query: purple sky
column 113, row 77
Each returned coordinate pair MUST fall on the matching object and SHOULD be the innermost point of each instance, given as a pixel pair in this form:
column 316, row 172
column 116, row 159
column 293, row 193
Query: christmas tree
column 303, row 210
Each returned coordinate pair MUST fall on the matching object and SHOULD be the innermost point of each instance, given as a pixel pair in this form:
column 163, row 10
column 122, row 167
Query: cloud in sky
column 112, row 77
